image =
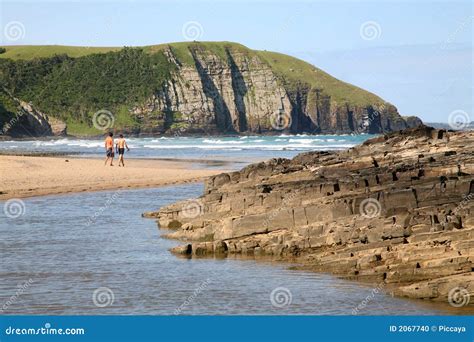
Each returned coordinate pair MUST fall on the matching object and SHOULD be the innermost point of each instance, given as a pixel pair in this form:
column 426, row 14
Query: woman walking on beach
column 109, row 149
column 121, row 145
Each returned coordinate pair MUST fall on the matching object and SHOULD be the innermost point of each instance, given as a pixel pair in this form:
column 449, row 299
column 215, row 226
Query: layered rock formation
column 397, row 209
column 240, row 90
column 193, row 87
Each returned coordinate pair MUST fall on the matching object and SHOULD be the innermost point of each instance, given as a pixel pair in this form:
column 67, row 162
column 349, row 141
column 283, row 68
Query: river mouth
column 93, row 253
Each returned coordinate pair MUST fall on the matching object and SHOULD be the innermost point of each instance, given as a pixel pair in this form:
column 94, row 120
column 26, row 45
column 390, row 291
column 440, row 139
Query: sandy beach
column 27, row 176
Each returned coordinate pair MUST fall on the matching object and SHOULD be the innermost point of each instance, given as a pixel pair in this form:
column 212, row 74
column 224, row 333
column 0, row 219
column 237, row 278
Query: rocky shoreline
column 396, row 210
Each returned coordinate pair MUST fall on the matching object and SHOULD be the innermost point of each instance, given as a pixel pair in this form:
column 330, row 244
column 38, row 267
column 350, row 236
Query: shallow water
column 64, row 248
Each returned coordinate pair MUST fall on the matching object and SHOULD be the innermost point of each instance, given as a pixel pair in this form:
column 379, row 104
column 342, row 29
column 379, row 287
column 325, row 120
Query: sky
column 415, row 54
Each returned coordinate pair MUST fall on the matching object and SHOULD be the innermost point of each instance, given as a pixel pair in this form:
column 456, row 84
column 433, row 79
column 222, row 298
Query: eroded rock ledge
column 398, row 209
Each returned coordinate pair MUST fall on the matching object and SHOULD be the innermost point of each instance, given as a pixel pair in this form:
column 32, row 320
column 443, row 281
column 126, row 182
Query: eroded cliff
column 195, row 87
column 21, row 119
column 235, row 89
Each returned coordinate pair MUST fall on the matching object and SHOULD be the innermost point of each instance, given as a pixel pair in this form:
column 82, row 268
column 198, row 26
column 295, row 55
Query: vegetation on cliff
column 72, row 83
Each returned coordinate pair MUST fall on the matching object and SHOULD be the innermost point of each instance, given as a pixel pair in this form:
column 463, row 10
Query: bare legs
column 121, row 160
column 111, row 161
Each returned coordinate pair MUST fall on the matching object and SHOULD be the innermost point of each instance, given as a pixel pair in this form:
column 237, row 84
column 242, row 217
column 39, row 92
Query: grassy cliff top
column 292, row 71
column 26, row 52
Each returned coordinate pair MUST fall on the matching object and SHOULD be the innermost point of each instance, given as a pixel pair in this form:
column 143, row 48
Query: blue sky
column 415, row 54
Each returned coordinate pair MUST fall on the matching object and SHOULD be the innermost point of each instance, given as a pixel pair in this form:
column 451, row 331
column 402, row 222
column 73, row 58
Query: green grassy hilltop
column 72, row 82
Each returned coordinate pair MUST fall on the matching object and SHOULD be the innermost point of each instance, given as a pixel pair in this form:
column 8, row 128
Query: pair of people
column 119, row 146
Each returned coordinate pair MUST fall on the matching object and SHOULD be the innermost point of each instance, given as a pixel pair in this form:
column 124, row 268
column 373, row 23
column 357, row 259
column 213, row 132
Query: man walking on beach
column 121, row 145
column 109, row 149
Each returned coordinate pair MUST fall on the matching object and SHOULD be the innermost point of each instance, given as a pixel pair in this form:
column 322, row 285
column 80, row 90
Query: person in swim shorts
column 120, row 146
column 109, row 149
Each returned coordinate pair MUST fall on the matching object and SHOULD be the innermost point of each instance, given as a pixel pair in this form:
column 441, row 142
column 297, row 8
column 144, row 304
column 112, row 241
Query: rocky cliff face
column 239, row 91
column 397, row 209
column 195, row 87
column 23, row 120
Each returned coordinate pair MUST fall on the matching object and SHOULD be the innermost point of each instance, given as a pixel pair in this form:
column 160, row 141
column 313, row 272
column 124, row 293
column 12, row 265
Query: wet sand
column 27, row 176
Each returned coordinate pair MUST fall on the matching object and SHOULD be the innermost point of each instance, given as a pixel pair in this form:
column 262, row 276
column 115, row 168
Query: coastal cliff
column 208, row 87
column 21, row 119
column 396, row 210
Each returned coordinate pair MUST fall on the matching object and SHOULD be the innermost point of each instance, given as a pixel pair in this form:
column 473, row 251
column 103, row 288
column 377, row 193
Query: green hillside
column 71, row 83
column 292, row 70
column 37, row 51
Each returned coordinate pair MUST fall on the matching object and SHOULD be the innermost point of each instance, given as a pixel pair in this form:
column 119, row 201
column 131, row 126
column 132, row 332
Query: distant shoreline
column 180, row 135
